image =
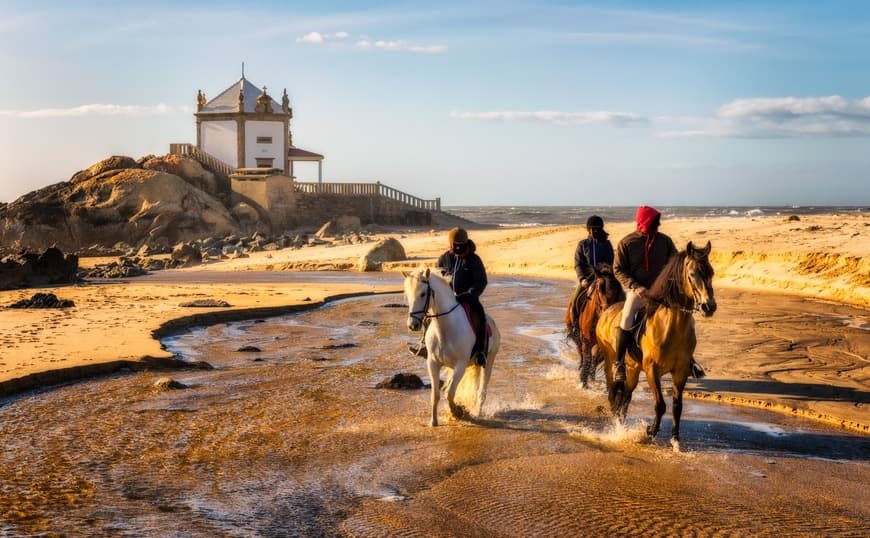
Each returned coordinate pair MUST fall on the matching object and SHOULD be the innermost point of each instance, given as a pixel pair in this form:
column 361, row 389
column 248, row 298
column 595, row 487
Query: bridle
column 422, row 315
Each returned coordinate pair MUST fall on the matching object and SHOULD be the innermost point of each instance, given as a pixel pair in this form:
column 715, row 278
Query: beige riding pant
column 633, row 303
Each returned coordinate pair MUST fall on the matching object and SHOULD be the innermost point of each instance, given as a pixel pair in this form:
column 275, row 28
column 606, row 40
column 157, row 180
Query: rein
column 422, row 315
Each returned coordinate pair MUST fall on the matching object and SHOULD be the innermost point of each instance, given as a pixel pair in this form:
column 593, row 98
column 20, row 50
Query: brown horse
column 668, row 342
column 602, row 293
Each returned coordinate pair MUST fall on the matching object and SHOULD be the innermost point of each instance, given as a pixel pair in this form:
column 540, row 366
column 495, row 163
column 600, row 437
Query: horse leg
column 458, row 373
column 679, row 385
column 655, row 385
column 435, row 375
column 587, row 366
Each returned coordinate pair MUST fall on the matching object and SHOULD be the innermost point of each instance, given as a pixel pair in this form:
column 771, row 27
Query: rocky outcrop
column 107, row 204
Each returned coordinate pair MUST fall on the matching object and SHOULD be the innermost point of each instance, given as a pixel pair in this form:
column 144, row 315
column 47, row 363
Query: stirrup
column 619, row 372
column 696, row 370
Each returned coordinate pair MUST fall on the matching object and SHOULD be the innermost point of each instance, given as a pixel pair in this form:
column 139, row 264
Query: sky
column 505, row 102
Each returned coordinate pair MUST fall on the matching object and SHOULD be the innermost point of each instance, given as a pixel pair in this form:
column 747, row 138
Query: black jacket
column 466, row 273
column 590, row 252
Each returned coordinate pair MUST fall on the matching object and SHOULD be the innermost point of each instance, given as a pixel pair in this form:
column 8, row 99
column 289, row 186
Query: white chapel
column 244, row 127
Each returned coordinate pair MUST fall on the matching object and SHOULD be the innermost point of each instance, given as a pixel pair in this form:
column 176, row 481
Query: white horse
column 449, row 339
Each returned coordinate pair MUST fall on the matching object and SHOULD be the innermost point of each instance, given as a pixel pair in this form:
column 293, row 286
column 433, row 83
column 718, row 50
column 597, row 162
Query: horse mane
column 667, row 289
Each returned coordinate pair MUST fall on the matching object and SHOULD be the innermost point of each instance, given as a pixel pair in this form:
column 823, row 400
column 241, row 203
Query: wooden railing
column 206, row 159
column 376, row 189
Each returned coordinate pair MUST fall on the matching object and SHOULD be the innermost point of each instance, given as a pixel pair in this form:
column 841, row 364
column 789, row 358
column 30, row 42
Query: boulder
column 43, row 300
column 185, row 255
column 329, row 229
column 385, row 250
column 31, row 269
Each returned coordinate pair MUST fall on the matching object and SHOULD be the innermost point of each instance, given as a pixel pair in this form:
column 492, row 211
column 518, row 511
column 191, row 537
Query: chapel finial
column 200, row 100
column 264, row 102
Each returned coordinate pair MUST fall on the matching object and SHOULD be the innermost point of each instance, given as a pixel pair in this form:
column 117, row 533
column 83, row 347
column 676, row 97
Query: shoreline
column 123, row 321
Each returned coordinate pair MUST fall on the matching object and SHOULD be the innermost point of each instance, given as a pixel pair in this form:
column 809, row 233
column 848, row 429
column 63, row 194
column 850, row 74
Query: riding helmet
column 595, row 222
column 457, row 236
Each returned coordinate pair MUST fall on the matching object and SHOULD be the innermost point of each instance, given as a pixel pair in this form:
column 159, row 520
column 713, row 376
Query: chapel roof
column 228, row 100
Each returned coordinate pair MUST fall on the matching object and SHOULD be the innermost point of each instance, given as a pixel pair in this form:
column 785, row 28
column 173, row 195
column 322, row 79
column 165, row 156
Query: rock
column 249, row 349
column 402, row 382
column 31, row 269
column 792, row 218
column 43, row 300
column 167, row 383
column 327, row 230
column 124, row 268
column 112, row 164
column 385, row 250
column 185, row 255
column 206, row 303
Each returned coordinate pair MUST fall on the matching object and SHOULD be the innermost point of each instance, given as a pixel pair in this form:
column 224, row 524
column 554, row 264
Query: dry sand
column 817, row 257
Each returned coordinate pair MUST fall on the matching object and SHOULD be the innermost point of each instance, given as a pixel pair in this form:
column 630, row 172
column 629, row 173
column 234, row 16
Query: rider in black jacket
column 466, row 274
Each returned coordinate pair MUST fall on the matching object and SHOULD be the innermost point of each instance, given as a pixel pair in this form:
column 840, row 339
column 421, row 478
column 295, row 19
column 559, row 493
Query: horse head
column 607, row 286
column 418, row 293
column 699, row 277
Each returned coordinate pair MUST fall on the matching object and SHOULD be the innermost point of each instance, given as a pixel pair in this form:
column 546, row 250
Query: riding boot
column 622, row 342
column 477, row 352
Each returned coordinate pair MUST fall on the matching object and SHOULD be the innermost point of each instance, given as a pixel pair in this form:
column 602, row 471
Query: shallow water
column 294, row 440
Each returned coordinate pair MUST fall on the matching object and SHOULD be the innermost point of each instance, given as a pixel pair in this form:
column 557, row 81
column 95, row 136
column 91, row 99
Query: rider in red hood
column 640, row 257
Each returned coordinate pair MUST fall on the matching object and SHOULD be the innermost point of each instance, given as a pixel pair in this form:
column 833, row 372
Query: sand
column 819, row 258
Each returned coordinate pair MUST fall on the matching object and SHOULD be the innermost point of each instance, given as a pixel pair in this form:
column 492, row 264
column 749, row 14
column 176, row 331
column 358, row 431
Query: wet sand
column 295, row 440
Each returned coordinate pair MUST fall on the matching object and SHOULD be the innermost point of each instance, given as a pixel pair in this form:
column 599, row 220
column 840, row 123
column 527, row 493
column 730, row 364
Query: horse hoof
column 675, row 444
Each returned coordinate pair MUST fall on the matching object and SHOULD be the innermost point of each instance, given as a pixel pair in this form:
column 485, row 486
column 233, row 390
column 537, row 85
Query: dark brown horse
column 603, row 292
column 685, row 286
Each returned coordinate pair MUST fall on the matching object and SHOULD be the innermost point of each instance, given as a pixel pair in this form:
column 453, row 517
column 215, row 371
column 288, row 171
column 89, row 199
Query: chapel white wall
column 219, row 138
column 275, row 150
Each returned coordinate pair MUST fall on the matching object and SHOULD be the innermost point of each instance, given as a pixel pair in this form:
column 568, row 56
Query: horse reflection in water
column 668, row 342
column 602, row 293
column 449, row 339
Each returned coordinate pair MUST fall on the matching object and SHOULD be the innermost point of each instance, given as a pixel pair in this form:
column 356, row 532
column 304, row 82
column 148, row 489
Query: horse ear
column 707, row 248
column 690, row 248
column 426, row 273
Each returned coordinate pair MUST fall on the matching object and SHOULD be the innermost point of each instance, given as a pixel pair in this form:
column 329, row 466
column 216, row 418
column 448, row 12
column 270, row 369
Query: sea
column 518, row 216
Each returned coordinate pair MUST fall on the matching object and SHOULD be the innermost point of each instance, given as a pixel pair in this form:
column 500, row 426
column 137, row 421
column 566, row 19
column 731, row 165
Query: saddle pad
column 467, row 308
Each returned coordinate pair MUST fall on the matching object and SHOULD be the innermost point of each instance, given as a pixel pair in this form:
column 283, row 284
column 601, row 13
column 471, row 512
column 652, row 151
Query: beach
column 295, row 439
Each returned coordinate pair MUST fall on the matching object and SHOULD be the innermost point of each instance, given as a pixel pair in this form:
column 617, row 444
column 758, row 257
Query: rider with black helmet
column 591, row 251
column 467, row 277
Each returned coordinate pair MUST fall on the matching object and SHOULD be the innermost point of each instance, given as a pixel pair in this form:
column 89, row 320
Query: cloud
column 399, row 46
column 317, row 37
column 616, row 119
column 783, row 117
column 95, row 110
column 370, row 44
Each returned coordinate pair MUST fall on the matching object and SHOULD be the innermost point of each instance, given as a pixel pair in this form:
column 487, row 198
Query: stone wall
column 313, row 209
